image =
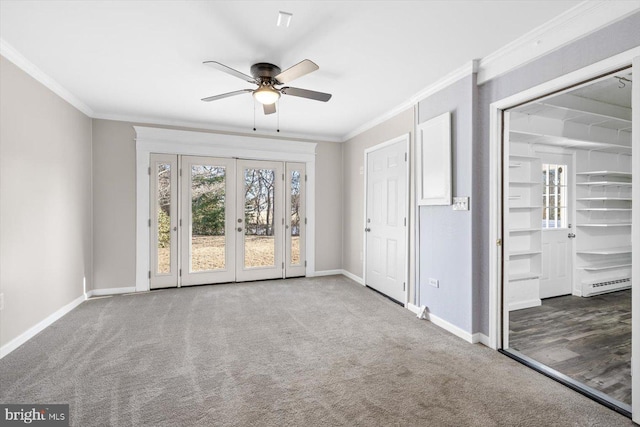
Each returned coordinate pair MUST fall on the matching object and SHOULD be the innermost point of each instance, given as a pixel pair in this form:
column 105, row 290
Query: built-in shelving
column 524, row 224
column 603, row 250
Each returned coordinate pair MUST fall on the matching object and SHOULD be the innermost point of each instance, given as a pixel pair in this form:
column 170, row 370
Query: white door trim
column 495, row 169
column 635, row 238
column 169, row 141
column 406, row 138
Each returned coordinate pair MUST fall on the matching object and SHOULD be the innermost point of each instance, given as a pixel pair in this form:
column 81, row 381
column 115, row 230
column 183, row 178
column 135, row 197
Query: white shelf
column 523, row 156
column 608, row 251
column 605, row 183
column 604, row 199
column 605, row 172
column 604, row 225
column 604, row 209
column 523, row 276
column 524, row 183
column 523, row 253
column 605, row 265
column 524, row 230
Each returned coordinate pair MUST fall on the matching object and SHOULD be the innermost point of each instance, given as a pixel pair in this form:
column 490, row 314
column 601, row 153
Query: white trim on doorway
column 406, row 138
column 169, row 141
column 608, row 65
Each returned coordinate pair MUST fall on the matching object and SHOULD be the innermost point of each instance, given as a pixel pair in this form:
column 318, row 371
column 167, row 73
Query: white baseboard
column 353, row 277
column 449, row 327
column 479, row 338
column 525, row 304
column 327, row 273
column 110, row 291
column 38, row 327
column 413, row 308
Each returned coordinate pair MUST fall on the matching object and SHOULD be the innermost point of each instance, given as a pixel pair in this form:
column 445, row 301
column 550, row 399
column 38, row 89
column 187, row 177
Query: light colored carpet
column 301, row 352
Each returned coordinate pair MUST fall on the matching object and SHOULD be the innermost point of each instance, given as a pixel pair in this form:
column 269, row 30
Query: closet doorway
column 216, row 220
column 567, row 217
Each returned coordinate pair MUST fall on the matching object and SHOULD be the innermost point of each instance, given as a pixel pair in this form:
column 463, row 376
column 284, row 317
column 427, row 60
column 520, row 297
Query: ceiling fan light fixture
column 266, row 95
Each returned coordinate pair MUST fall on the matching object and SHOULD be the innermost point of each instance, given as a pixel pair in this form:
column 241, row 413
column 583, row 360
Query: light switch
column 460, row 204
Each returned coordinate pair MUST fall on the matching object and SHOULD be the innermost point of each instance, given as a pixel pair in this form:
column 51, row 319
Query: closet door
column 207, row 220
column 163, row 221
column 295, row 220
column 259, row 220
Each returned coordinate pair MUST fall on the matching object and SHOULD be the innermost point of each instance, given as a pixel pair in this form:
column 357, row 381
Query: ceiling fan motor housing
column 265, row 72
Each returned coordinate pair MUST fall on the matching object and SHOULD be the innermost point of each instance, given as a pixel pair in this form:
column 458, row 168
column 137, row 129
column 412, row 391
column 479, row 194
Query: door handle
column 239, row 229
column 571, row 236
column 175, row 228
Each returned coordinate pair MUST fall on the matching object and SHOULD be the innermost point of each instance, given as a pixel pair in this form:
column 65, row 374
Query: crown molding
column 467, row 69
column 579, row 21
column 303, row 137
column 28, row 67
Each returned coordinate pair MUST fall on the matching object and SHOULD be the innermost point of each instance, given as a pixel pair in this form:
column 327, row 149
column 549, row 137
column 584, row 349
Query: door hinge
column 149, row 222
column 180, row 272
column 282, row 221
column 305, row 221
column 405, row 221
column 499, row 242
column 149, row 274
column 180, row 172
column 404, row 286
column 180, row 222
column 305, row 178
column 283, row 177
column 149, row 171
column 283, row 265
column 305, row 263
column 405, row 157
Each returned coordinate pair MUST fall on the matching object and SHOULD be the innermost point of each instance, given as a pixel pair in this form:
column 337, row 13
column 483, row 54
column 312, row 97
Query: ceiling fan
column 267, row 77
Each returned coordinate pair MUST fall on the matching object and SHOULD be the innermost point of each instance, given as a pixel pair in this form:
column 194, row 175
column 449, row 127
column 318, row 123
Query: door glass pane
column 163, row 174
column 259, row 243
column 295, row 218
column 207, row 218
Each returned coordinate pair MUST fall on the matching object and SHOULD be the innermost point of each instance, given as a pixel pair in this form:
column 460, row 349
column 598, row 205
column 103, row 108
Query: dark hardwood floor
column 587, row 339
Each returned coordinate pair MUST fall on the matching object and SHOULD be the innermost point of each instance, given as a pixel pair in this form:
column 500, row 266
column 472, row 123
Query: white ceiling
column 142, row 60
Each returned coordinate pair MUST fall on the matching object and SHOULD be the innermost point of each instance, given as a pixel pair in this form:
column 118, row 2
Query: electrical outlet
column 434, row 282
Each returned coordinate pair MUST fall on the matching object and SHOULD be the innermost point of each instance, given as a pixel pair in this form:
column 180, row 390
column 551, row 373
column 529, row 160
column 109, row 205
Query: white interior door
column 163, row 222
column 385, row 228
column 207, row 221
column 295, row 220
column 557, row 225
column 259, row 220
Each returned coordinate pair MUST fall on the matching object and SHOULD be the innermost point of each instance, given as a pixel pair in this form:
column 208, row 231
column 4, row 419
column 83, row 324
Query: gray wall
column 616, row 38
column 445, row 235
column 114, row 204
column 45, row 202
column 353, row 185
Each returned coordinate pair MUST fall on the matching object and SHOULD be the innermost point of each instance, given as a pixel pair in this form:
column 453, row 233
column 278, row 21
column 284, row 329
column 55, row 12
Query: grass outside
column 207, row 253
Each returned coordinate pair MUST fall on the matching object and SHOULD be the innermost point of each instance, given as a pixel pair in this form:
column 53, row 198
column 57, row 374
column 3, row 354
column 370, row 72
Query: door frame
column 150, row 140
column 623, row 60
column 406, row 138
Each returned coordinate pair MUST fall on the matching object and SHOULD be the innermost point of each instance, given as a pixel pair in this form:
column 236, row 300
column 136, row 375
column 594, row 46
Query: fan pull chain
column 254, row 115
column 278, row 128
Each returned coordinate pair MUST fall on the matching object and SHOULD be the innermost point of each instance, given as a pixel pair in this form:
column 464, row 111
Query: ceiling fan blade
column 305, row 93
column 229, row 70
column 298, row 70
column 269, row 108
column 226, row 95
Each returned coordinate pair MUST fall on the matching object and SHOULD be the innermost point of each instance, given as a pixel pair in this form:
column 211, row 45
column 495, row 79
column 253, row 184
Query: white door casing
column 156, row 140
column 635, row 238
column 386, row 218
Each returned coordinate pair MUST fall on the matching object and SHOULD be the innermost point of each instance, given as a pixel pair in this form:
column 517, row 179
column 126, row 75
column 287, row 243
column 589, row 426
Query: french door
column 217, row 220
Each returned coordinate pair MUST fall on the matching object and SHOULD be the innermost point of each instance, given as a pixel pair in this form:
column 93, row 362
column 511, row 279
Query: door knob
column 571, row 236
column 367, row 229
column 239, row 229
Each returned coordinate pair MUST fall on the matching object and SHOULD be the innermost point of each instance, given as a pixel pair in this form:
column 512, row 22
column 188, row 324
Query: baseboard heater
column 607, row 286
